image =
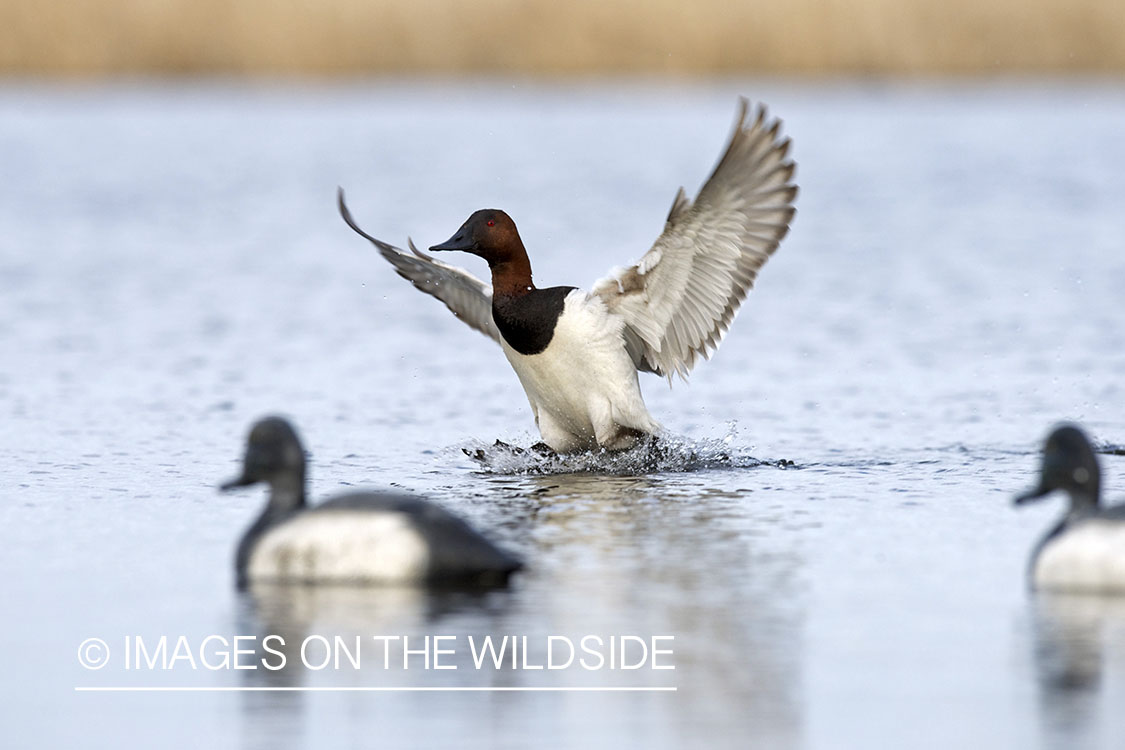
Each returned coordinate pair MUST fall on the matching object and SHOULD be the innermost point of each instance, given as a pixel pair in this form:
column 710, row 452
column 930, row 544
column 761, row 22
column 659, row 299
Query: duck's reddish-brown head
column 489, row 233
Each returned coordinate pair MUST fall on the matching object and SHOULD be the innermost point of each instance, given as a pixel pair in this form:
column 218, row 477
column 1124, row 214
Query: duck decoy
column 374, row 537
column 1085, row 551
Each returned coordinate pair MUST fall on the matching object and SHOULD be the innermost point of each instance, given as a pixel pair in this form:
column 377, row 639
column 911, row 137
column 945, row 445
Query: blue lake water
column 172, row 267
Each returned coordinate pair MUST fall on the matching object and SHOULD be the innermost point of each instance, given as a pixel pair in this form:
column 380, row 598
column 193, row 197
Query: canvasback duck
column 358, row 538
column 577, row 353
column 1085, row 551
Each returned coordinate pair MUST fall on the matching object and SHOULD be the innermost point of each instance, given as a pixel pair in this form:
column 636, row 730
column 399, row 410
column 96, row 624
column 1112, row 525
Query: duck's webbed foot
column 479, row 455
column 543, row 450
column 509, row 447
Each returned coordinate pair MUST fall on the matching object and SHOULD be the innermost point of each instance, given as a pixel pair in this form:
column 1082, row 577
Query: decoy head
column 273, row 454
column 1069, row 464
column 489, row 233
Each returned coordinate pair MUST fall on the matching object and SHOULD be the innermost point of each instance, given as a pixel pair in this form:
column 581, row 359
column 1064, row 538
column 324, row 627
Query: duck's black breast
column 527, row 322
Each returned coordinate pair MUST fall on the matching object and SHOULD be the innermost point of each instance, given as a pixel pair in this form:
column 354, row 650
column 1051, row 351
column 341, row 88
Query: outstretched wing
column 467, row 297
column 679, row 299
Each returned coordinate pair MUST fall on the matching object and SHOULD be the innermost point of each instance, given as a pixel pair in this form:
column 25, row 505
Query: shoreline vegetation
column 583, row 37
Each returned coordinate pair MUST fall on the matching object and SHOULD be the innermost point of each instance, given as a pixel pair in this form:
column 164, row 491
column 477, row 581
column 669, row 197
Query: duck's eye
column 491, row 223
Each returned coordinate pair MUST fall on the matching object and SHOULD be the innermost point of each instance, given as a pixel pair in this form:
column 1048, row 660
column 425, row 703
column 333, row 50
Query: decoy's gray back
column 577, row 353
column 357, row 538
column 1085, row 551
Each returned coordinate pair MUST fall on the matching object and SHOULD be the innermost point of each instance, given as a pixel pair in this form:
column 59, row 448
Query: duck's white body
column 341, row 546
column 583, row 387
column 1088, row 556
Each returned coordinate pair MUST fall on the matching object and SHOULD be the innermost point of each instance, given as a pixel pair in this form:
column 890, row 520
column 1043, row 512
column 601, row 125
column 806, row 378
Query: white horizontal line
column 402, row 689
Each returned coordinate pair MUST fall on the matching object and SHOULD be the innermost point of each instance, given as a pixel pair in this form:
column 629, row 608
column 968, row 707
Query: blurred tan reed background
column 326, row 37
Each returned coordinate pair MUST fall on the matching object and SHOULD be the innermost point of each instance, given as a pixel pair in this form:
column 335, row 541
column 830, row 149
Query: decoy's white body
column 1088, row 556
column 341, row 547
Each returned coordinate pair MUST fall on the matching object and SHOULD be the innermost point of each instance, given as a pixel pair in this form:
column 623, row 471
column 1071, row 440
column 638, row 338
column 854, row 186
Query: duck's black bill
column 242, row 481
column 460, row 241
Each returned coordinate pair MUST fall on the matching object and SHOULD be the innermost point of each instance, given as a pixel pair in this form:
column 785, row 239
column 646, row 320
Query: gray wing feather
column 466, row 296
column 681, row 297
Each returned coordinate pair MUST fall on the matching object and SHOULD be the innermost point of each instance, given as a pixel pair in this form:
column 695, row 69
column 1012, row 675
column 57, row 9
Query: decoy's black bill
column 1027, row 497
column 242, row 481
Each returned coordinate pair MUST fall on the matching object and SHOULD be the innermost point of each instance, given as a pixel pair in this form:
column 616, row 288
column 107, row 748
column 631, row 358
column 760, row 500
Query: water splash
column 654, row 455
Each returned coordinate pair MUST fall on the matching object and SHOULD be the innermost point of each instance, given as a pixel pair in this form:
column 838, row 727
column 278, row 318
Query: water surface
column 172, row 267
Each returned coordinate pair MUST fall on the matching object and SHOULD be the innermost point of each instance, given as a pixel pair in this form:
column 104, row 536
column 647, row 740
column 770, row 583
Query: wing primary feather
column 680, row 204
column 686, row 290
